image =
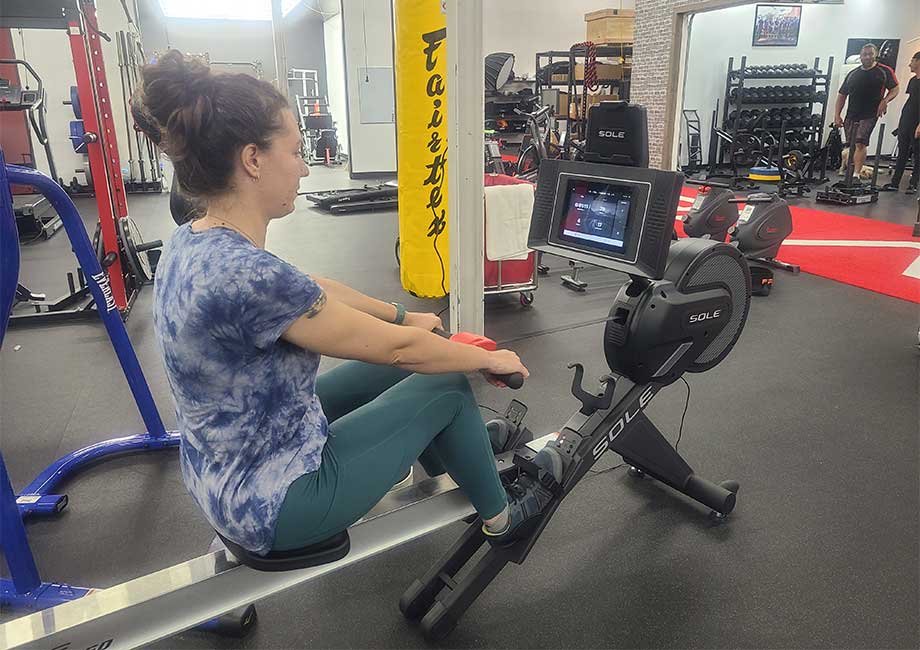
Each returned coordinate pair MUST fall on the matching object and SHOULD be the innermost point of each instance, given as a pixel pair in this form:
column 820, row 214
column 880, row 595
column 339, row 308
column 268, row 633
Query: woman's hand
column 503, row 362
column 427, row 322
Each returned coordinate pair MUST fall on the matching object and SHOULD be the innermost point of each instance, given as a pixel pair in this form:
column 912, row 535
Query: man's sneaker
column 911, row 190
column 889, row 187
column 527, row 499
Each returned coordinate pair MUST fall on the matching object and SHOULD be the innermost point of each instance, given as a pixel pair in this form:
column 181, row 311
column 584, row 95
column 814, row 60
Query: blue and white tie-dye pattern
column 250, row 421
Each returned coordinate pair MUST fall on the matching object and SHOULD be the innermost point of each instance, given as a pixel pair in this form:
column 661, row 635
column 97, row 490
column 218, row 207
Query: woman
column 276, row 457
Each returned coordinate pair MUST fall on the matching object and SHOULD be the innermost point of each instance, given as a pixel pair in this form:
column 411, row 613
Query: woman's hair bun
column 175, row 101
column 201, row 119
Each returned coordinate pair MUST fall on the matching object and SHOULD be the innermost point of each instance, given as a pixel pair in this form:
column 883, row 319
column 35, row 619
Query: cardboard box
column 593, row 100
column 605, row 71
column 611, row 26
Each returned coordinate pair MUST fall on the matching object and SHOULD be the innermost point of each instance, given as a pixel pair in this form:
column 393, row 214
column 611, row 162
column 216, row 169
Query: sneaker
column 527, row 499
column 911, row 190
column 889, row 187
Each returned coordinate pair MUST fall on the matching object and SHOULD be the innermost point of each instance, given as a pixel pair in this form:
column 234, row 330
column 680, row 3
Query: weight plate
column 75, row 102
column 139, row 263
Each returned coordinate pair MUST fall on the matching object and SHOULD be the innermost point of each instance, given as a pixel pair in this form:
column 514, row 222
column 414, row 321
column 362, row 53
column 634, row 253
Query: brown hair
column 202, row 120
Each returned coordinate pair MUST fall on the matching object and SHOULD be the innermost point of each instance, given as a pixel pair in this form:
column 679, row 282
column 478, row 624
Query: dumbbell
column 745, row 119
column 820, row 96
column 733, row 94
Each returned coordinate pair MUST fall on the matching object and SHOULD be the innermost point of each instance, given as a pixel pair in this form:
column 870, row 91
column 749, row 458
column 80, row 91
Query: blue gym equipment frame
column 25, row 588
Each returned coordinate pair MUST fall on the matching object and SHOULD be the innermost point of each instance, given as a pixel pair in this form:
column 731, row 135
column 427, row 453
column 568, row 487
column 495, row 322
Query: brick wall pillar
column 654, row 61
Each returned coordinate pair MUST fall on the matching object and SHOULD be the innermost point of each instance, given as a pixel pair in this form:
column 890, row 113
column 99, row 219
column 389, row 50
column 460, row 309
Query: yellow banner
column 421, row 145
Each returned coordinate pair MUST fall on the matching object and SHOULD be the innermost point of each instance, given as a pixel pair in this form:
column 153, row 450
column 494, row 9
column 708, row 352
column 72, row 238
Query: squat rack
column 78, row 18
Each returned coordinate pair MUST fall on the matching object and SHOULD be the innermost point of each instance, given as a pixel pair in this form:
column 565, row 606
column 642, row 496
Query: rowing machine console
column 686, row 303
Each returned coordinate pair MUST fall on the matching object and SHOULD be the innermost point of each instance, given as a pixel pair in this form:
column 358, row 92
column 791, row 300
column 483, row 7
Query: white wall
column 335, row 77
column 525, row 27
column 48, row 51
column 372, row 146
column 718, row 35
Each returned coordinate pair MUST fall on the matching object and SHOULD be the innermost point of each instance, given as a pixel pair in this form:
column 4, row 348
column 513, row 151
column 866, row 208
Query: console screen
column 596, row 214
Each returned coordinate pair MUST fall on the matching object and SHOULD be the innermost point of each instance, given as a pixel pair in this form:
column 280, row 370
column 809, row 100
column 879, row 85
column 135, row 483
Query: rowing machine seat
column 324, row 552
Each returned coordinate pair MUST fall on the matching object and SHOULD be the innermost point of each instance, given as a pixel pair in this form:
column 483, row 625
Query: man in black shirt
column 909, row 133
column 866, row 88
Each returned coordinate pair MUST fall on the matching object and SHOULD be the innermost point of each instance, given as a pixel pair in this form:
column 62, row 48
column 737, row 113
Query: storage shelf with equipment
column 566, row 69
column 755, row 110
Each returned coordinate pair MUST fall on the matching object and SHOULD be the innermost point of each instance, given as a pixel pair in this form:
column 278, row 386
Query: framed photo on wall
column 777, row 25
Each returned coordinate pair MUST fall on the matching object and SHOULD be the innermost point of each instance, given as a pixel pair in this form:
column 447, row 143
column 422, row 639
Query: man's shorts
column 859, row 130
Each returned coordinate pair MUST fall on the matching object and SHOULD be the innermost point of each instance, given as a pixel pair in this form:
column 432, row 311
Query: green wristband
column 400, row 313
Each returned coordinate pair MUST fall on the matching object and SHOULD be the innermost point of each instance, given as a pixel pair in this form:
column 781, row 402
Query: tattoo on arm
column 317, row 306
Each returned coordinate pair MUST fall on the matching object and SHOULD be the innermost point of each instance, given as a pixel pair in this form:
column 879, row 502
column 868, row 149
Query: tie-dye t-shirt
column 249, row 419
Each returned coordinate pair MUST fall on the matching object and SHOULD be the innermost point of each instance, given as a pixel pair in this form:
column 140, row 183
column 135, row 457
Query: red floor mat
column 874, row 255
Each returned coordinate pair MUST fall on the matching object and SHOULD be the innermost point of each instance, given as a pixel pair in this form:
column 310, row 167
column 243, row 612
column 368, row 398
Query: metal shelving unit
column 544, row 77
column 738, row 96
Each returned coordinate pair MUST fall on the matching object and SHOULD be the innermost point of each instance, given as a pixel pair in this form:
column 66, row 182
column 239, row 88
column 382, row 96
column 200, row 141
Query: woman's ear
column 249, row 158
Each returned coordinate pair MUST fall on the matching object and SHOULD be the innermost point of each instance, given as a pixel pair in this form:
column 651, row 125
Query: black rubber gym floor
column 815, row 413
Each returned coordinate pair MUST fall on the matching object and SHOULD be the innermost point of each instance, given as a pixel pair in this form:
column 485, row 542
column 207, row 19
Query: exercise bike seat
column 324, row 552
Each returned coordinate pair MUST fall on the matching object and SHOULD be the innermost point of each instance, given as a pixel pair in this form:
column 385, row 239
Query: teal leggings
column 382, row 419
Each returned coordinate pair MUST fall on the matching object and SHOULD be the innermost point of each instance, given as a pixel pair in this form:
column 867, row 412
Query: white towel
column 508, row 212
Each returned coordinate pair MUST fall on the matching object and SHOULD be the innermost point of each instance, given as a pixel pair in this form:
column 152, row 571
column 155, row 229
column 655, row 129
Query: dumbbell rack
column 737, row 97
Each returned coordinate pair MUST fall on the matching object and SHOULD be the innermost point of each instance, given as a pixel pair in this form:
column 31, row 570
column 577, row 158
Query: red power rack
column 101, row 144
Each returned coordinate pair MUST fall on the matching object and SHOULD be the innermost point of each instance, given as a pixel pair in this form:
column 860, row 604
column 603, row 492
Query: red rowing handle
column 514, row 380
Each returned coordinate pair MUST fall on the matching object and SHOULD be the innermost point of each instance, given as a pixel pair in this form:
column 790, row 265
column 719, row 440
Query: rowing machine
column 682, row 311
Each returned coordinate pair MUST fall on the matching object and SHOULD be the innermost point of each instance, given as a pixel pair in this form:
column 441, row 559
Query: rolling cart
column 510, row 276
